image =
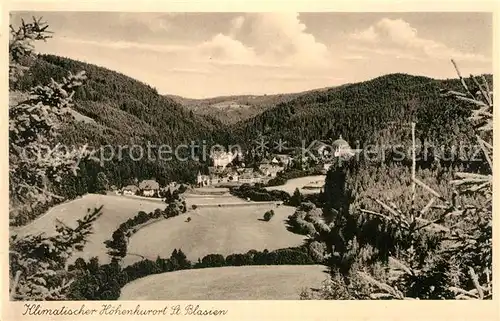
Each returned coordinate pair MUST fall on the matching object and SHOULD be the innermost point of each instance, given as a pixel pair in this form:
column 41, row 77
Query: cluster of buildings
column 222, row 159
column 149, row 188
column 265, row 171
column 223, row 171
column 239, row 175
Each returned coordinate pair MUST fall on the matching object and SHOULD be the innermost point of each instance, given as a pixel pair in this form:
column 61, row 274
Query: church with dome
column 341, row 148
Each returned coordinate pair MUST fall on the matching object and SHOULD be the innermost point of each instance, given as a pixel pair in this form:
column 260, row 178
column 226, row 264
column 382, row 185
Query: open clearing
column 221, row 230
column 116, row 209
column 299, row 183
column 267, row 282
column 211, row 199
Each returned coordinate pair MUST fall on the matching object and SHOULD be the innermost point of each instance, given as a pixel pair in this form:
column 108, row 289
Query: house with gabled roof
column 149, row 187
column 129, row 190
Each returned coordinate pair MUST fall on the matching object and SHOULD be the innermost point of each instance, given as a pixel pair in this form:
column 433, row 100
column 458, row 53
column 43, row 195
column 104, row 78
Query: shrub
column 317, row 251
column 299, row 224
column 296, row 198
column 213, row 260
column 336, row 288
column 182, row 189
column 268, row 215
column 258, row 194
column 239, row 259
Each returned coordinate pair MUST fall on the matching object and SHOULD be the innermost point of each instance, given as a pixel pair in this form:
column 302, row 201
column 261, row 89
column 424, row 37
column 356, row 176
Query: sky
column 199, row 55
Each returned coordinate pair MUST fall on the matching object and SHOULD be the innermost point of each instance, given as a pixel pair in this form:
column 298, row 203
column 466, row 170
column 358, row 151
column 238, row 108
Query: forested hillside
column 123, row 108
column 375, row 111
column 113, row 111
column 232, row 109
column 125, row 112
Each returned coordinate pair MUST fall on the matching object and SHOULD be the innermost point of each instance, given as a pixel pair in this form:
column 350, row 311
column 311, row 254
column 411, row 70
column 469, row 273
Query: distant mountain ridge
column 235, row 108
column 112, row 109
column 117, row 109
column 373, row 111
column 122, row 108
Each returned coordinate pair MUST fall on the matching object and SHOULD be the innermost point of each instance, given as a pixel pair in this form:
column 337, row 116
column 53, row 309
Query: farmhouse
column 247, row 178
column 216, row 176
column 202, row 180
column 149, row 187
column 270, row 170
column 232, row 176
column 129, row 190
column 284, row 159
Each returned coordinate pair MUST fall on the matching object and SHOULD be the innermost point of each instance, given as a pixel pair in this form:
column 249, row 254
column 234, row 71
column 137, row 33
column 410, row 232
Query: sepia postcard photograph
column 211, row 156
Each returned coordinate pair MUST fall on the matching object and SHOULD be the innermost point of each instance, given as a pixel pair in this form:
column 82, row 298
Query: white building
column 149, row 187
column 341, row 148
column 284, row 159
column 270, row 170
column 202, row 180
column 222, row 159
column 129, row 190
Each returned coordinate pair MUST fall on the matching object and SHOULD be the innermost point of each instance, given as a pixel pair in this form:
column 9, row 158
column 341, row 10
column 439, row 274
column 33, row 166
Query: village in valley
column 329, row 189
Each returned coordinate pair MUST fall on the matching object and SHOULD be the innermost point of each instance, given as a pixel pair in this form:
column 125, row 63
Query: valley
column 298, row 210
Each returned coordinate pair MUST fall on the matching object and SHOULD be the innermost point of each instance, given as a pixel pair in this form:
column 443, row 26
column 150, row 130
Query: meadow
column 299, row 183
column 214, row 230
column 211, row 230
column 278, row 282
column 116, row 210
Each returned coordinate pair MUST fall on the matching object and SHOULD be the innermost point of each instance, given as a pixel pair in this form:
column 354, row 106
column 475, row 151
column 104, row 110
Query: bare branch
column 485, row 143
column 431, row 224
column 429, row 189
column 485, row 95
column 486, row 154
column 380, row 285
column 463, row 292
column 401, row 266
column 473, row 101
column 427, row 207
column 14, row 284
column 461, row 78
column 475, row 280
column 487, row 86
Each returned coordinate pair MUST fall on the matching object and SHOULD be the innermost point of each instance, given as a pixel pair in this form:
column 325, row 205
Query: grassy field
column 211, row 199
column 208, row 190
column 215, row 230
column 283, row 282
column 211, row 230
column 116, row 210
column 299, row 183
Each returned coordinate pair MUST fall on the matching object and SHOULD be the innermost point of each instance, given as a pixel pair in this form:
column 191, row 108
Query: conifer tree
column 38, row 263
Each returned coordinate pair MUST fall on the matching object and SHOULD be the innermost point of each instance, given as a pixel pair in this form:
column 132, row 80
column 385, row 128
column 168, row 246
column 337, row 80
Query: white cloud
column 368, row 35
column 219, row 50
column 282, row 37
column 225, row 48
column 396, row 36
column 155, row 22
column 189, row 71
column 259, row 39
column 128, row 45
column 237, row 23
